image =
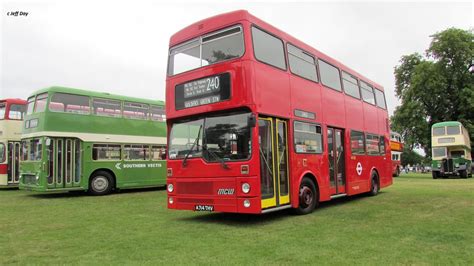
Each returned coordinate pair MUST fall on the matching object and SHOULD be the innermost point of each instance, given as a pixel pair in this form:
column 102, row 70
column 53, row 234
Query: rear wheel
column 397, row 173
column 308, row 197
column 101, row 183
column 374, row 185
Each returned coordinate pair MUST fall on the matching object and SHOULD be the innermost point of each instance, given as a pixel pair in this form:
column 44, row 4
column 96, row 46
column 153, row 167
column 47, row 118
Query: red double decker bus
column 259, row 121
column 12, row 112
column 396, row 146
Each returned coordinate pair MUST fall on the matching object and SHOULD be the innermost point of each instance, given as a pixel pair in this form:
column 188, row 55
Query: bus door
column 63, row 162
column 13, row 162
column 337, row 175
column 273, row 153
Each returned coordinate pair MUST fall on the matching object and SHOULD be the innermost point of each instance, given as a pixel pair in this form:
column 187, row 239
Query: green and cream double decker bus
column 451, row 150
column 97, row 142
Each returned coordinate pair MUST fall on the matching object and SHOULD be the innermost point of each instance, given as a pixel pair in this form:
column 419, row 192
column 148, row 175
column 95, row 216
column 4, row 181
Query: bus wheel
column 374, row 185
column 463, row 174
column 435, row 174
column 397, row 173
column 100, row 184
column 308, row 197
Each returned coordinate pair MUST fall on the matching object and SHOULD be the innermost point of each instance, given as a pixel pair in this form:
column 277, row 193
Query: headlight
column 37, row 177
column 246, row 188
column 246, row 203
column 170, row 188
column 170, row 200
column 456, row 165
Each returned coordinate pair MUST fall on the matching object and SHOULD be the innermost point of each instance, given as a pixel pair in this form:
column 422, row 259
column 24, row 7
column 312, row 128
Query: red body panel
column 3, row 169
column 266, row 90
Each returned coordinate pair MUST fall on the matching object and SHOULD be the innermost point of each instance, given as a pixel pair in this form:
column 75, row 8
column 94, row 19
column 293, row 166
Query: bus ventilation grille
column 194, row 188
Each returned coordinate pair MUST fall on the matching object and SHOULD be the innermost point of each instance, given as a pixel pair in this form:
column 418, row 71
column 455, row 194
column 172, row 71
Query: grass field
column 418, row 220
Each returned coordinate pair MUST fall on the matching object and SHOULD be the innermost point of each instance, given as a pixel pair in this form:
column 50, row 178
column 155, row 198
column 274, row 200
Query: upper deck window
column 350, row 84
column 40, row 103
column 69, row 103
column 301, row 63
column 157, row 113
column 453, row 130
column 105, row 107
column 330, row 75
column 31, row 104
column 268, row 48
column 367, row 93
column 379, row 98
column 438, row 131
column 206, row 50
column 17, row 111
column 136, row 110
column 3, row 108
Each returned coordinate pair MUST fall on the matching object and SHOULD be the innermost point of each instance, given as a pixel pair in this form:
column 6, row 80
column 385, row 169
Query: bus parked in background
column 451, row 150
column 259, row 121
column 396, row 146
column 11, row 116
column 84, row 140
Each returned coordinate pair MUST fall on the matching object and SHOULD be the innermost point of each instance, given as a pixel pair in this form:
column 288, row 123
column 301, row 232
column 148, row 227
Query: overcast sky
column 122, row 47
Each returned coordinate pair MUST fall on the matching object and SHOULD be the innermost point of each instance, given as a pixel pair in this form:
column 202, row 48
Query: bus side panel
column 354, row 121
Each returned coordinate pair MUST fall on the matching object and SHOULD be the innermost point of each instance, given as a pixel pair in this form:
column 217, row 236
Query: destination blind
column 202, row 91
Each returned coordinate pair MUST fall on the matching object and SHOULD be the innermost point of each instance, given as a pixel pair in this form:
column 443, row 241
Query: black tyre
column 308, row 197
column 435, row 174
column 374, row 185
column 463, row 174
column 100, row 184
column 397, row 173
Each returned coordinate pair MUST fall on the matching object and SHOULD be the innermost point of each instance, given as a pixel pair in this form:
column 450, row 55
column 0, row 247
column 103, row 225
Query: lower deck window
column 372, row 142
column 106, row 152
column 307, row 138
column 2, row 152
column 136, row 152
column 439, row 152
column 357, row 143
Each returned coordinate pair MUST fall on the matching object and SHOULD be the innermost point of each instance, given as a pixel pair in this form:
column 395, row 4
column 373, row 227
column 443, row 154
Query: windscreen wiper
column 221, row 160
column 192, row 147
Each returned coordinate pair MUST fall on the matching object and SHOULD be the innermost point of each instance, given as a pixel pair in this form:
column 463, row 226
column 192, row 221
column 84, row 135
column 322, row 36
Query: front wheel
column 435, row 174
column 100, row 184
column 308, row 197
column 374, row 185
column 463, row 174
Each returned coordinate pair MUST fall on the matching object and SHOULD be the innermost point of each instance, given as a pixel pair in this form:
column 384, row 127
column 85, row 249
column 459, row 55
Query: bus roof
column 13, row 100
column 447, row 123
column 97, row 94
column 227, row 19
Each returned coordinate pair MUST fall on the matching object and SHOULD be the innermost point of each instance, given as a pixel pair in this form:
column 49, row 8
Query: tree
column 409, row 157
column 435, row 88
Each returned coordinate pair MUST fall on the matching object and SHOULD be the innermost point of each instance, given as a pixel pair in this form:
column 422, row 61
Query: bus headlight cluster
column 246, row 188
column 37, row 177
column 170, row 188
column 170, row 200
column 246, row 203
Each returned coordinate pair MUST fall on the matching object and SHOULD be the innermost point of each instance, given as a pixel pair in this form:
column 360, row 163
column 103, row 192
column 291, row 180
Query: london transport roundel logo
column 359, row 168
